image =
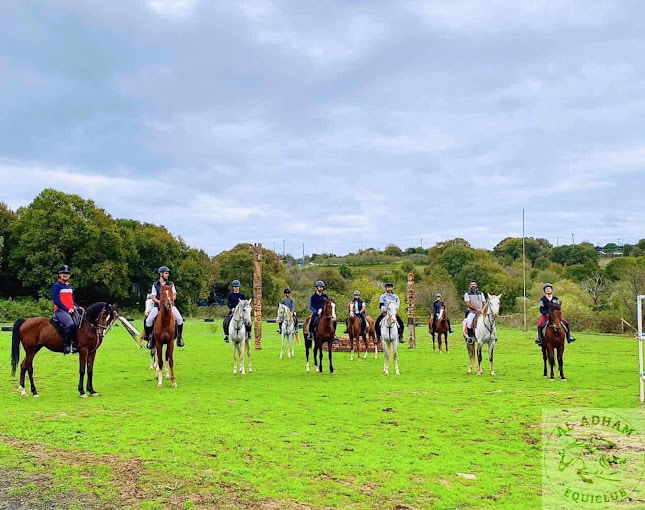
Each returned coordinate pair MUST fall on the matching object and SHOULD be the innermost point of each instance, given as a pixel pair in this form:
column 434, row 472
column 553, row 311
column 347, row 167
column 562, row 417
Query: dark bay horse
column 440, row 327
column 371, row 334
column 38, row 332
column 554, row 337
column 325, row 332
column 354, row 332
column 164, row 333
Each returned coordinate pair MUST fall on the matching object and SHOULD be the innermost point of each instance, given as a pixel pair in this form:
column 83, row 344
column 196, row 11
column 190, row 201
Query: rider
column 475, row 301
column 545, row 306
column 436, row 310
column 288, row 301
column 358, row 306
column 316, row 302
column 64, row 307
column 164, row 273
column 383, row 301
column 233, row 299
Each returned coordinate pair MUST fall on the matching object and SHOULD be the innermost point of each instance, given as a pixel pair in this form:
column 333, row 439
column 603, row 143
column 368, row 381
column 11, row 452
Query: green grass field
column 281, row 438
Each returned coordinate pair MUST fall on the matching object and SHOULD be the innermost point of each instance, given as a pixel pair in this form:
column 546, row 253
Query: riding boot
column 450, row 327
column 471, row 336
column 248, row 331
column 538, row 340
column 69, row 347
column 148, row 334
column 569, row 337
column 180, row 335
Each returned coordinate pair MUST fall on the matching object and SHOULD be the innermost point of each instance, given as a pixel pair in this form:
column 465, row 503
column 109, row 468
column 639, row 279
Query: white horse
column 390, row 338
column 287, row 329
column 237, row 329
column 485, row 333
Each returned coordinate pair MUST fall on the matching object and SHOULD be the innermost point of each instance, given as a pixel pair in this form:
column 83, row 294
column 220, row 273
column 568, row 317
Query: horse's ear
column 500, row 296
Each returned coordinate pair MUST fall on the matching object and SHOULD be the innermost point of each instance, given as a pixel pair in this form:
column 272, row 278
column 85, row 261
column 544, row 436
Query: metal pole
column 524, row 270
column 641, row 373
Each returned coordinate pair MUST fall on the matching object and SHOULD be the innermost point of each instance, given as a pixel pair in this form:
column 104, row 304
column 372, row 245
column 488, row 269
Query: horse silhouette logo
column 593, row 457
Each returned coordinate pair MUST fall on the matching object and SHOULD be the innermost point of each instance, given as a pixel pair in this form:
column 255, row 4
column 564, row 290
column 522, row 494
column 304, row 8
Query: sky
column 338, row 125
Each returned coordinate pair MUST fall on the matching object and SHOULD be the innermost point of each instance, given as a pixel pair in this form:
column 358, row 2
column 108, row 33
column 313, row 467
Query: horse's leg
column 167, row 371
column 433, row 340
column 491, row 350
column 82, row 364
column 544, row 356
column 331, row 367
column 90, row 374
column 171, row 362
column 307, row 347
column 247, row 346
column 316, row 355
column 470, row 349
column 159, row 347
column 395, row 347
column 551, row 354
column 386, row 357
column 282, row 344
column 233, row 344
column 153, row 360
column 561, row 360
column 367, row 347
column 479, row 357
column 30, row 369
column 445, row 338
column 23, row 371
column 320, row 357
column 242, row 349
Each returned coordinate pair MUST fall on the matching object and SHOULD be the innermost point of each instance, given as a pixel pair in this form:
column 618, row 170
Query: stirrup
column 570, row 340
column 180, row 342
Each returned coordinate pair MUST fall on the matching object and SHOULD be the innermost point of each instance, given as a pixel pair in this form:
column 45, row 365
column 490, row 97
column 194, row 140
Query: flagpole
column 524, row 270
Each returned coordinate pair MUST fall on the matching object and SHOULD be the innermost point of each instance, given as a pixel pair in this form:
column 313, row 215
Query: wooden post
column 257, row 294
column 412, row 334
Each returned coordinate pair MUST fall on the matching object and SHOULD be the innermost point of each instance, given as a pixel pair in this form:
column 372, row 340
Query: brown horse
column 554, row 340
column 440, row 327
column 325, row 332
column 164, row 333
column 371, row 334
column 38, row 332
column 354, row 332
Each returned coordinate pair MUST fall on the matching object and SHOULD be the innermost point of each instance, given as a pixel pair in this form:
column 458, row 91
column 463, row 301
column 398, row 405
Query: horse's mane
column 92, row 311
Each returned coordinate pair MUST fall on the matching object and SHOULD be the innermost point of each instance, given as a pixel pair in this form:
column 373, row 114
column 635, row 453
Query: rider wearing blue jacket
column 316, row 302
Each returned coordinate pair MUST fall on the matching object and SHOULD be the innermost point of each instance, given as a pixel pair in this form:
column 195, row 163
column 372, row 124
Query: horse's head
column 167, row 297
column 350, row 308
column 390, row 311
column 493, row 303
column 104, row 320
column 555, row 315
column 246, row 309
column 329, row 309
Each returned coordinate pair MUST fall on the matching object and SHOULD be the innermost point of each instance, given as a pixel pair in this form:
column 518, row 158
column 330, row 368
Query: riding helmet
column 319, row 283
column 438, row 295
column 287, row 291
column 389, row 284
column 546, row 285
column 65, row 269
column 235, row 283
column 357, row 292
column 163, row 269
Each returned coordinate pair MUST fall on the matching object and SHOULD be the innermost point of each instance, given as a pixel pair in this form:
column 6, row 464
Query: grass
column 281, row 438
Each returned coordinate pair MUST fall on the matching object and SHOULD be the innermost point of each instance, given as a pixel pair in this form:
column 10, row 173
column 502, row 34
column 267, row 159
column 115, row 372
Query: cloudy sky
column 335, row 124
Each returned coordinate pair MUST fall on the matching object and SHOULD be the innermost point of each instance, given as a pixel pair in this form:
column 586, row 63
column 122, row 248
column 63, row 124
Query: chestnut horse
column 371, row 334
column 164, row 332
column 440, row 327
column 38, row 332
column 354, row 332
column 554, row 340
column 325, row 332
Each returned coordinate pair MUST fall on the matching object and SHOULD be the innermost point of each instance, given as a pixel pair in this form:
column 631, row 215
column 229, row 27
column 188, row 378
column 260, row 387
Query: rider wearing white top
column 164, row 273
column 386, row 298
column 475, row 301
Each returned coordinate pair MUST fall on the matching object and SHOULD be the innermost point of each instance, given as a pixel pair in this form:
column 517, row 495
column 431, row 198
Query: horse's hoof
column 492, row 373
column 552, row 379
column 83, row 395
column 398, row 373
column 95, row 394
column 36, row 395
column 250, row 370
column 564, row 379
column 280, row 356
column 479, row 373
column 174, row 385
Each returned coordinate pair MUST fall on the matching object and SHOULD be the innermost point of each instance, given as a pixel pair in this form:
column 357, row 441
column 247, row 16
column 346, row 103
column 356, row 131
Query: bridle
column 99, row 328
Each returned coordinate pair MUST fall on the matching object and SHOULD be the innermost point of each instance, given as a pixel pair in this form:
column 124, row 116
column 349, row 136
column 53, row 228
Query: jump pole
column 412, row 338
column 641, row 372
column 257, row 294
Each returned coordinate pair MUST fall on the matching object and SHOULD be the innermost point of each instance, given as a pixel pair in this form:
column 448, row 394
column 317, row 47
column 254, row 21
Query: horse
column 390, row 338
column 287, row 329
column 39, row 332
column 485, row 333
column 354, row 331
column 440, row 327
column 371, row 334
column 237, row 329
column 164, row 332
column 325, row 332
column 554, row 337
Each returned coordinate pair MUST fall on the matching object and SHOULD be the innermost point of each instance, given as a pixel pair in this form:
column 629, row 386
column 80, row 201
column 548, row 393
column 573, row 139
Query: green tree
column 57, row 228
column 393, row 250
column 8, row 286
column 510, row 249
column 570, row 254
column 334, row 282
column 454, row 258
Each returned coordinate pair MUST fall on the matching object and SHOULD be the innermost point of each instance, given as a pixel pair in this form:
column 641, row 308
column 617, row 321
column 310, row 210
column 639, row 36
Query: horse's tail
column 15, row 345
